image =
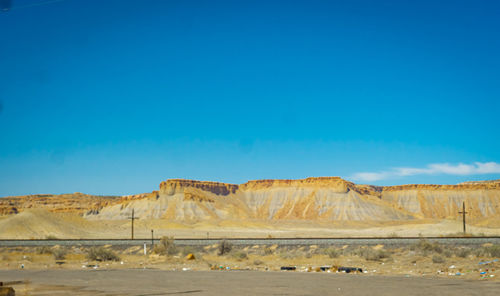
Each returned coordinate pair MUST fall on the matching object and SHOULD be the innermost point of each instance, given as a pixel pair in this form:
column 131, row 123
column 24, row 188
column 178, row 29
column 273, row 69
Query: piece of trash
column 452, row 266
column 350, row 269
column 22, row 266
column 483, row 272
column 458, row 273
column 492, row 275
column 288, row 268
column 121, row 263
column 190, row 256
column 186, row 269
column 325, row 268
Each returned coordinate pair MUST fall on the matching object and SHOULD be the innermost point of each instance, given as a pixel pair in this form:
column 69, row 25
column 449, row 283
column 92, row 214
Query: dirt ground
column 40, row 224
column 419, row 269
column 147, row 282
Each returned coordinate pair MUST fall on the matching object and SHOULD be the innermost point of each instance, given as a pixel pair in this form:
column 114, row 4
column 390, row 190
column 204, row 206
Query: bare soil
column 146, row 282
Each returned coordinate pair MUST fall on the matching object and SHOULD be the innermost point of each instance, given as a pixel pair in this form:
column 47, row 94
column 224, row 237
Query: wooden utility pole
column 152, row 239
column 463, row 212
column 132, row 219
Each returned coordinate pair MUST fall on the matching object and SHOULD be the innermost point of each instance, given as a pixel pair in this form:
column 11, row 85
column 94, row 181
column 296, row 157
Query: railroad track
column 396, row 241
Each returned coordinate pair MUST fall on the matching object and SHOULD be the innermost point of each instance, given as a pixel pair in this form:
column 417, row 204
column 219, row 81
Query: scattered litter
column 190, row 256
column 288, row 268
column 488, row 262
column 186, row 269
column 350, row 269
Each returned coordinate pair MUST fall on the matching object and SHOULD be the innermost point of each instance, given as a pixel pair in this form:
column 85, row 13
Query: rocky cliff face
column 318, row 199
column 63, row 203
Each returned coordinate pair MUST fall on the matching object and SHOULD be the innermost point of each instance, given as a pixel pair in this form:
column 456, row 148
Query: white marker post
column 145, row 250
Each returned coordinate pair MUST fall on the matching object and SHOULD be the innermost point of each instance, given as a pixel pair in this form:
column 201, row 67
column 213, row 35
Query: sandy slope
column 41, row 224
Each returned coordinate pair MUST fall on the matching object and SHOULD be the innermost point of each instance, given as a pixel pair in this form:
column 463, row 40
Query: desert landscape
column 312, row 207
column 327, row 207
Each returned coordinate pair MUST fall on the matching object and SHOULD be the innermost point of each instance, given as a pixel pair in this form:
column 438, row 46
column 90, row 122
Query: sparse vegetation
column 374, row 255
column 43, row 250
column 240, row 255
column 425, row 246
column 59, row 254
column 101, row 254
column 462, row 252
column 437, row 259
column 332, row 252
column 51, row 236
column 224, row 247
column 268, row 251
column 187, row 250
column 393, row 235
column 166, row 246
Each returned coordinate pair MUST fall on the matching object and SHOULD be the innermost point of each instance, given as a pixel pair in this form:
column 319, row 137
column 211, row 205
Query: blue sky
column 113, row 97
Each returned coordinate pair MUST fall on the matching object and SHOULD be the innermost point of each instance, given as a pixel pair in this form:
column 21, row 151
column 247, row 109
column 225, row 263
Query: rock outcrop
column 316, row 199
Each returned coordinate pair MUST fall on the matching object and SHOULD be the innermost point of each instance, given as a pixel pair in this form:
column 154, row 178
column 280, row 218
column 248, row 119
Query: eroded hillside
column 312, row 199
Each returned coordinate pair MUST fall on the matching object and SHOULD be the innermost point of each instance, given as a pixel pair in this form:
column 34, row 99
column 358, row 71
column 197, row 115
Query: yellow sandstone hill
column 320, row 199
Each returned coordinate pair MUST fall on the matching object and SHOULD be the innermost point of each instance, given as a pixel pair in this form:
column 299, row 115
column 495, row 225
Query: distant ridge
column 315, row 199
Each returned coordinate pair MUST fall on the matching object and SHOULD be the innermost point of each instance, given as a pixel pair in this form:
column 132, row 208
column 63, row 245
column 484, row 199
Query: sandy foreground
column 422, row 269
column 146, row 282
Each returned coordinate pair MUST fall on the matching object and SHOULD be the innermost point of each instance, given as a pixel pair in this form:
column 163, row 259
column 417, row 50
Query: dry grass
column 166, row 246
column 101, row 254
column 421, row 259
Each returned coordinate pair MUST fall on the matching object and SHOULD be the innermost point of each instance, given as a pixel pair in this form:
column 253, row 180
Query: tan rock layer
column 321, row 198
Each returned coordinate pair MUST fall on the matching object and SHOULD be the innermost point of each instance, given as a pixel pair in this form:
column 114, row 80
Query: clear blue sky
column 112, row 97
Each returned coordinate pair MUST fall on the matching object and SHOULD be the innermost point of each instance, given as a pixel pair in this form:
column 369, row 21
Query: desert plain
column 315, row 207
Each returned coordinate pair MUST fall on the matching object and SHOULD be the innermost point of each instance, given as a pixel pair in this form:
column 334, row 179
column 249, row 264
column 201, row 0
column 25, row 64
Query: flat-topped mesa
column 334, row 183
column 172, row 186
column 461, row 186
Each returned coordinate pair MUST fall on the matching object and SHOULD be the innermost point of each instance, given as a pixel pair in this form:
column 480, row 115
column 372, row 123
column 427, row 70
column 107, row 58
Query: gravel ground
column 280, row 241
column 140, row 282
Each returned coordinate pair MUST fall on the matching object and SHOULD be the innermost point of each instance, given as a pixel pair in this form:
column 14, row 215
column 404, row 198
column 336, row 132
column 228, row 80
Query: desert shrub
column 393, row 234
column 59, row 254
column 447, row 253
column 51, row 236
column 268, row 251
column 43, row 250
column 187, row 250
column 288, row 255
column 224, row 247
column 494, row 251
column 426, row 246
column 257, row 262
column 166, row 246
column 332, row 252
column 437, row 259
column 101, row 254
column 374, row 255
column 462, row 252
column 240, row 255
